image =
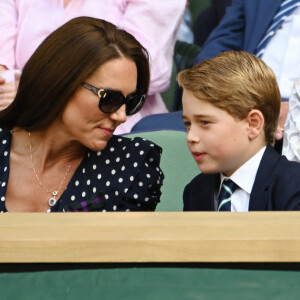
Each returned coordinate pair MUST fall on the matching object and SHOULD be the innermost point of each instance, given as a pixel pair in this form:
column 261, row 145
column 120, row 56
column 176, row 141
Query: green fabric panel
column 151, row 284
column 177, row 164
column 196, row 6
column 169, row 95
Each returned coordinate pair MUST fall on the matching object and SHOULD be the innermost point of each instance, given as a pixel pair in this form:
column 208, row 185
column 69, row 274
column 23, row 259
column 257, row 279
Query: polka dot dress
column 126, row 174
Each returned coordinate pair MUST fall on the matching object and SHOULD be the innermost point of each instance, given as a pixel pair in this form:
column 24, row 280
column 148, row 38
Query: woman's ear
column 256, row 122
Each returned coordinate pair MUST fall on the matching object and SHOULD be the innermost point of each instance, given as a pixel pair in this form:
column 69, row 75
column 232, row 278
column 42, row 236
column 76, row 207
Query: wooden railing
column 150, row 237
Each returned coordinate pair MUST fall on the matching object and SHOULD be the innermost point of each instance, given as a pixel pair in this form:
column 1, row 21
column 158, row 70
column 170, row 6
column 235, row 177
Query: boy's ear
column 256, row 122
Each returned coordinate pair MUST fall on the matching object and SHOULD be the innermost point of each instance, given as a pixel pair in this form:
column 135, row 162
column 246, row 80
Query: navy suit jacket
column 242, row 28
column 276, row 186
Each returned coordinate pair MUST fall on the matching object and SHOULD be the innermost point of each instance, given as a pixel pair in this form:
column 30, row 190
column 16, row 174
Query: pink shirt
column 25, row 23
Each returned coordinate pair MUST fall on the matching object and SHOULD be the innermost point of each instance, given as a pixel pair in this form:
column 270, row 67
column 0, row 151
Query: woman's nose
column 119, row 115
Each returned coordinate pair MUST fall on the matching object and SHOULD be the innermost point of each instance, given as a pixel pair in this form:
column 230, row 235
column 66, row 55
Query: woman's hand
column 8, row 91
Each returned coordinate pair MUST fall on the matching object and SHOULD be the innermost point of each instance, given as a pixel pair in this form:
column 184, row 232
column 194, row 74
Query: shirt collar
column 245, row 175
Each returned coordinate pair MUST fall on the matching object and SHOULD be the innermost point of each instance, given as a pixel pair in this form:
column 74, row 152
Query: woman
column 58, row 149
column 154, row 23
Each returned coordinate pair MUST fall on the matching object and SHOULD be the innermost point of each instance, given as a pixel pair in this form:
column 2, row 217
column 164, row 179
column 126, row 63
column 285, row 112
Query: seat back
column 177, row 165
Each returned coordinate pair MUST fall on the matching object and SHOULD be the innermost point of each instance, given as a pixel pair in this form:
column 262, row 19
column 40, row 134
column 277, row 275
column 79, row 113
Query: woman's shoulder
column 133, row 143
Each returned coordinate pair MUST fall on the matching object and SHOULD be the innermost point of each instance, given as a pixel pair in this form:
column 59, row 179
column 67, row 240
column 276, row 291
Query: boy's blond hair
column 236, row 82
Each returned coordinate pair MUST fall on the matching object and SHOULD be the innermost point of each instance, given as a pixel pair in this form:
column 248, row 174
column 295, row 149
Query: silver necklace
column 52, row 200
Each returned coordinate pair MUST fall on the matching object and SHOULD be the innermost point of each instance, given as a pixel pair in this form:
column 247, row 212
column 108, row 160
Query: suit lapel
column 264, row 11
column 208, row 194
column 259, row 193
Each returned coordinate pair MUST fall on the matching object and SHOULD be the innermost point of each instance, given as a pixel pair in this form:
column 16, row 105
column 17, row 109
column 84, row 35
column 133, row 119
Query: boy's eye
column 186, row 124
column 204, row 122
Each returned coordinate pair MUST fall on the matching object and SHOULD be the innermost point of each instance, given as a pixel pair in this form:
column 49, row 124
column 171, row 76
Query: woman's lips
column 198, row 155
column 107, row 131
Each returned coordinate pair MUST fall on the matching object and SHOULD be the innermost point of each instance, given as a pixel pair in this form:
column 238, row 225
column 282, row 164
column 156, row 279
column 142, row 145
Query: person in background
column 231, row 105
column 24, row 24
column 208, row 20
column 58, row 151
column 291, row 139
column 268, row 29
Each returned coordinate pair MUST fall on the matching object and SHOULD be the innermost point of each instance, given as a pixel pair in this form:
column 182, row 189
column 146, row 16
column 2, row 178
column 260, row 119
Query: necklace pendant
column 52, row 201
column 54, row 193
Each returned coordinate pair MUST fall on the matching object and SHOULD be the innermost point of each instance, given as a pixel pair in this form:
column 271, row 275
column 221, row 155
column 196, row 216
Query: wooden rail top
column 150, row 237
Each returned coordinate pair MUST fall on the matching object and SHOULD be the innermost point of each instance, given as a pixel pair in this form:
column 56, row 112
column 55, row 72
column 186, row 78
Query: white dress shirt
column 282, row 53
column 244, row 177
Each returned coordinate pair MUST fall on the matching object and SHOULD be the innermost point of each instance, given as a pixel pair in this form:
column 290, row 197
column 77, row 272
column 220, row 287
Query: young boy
column 231, row 106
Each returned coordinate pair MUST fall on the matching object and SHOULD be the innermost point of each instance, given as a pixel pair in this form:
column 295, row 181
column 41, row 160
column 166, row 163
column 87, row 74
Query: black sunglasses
column 110, row 100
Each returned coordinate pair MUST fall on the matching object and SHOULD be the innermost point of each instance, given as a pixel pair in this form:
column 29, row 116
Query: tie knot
column 227, row 189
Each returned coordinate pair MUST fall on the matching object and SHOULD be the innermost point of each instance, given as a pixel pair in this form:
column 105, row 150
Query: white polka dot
column 83, row 194
column 73, row 198
column 158, row 182
column 135, row 164
column 0, row 129
column 5, row 153
column 141, row 152
column 117, row 159
column 89, row 154
column 2, row 198
column 106, row 196
column 139, row 204
column 83, row 170
column 136, row 144
column 131, row 178
column 98, row 153
column 107, row 183
column 115, row 207
column 146, row 165
column 146, row 199
column 141, row 184
column 4, row 141
column 112, row 149
column 120, row 180
column 99, row 176
column 3, row 184
column 113, row 172
column 148, row 175
column 125, row 191
column 77, row 183
column 104, row 210
column 123, row 168
column 107, row 161
column 94, row 167
column 157, row 169
column 119, row 140
column 116, row 193
column 127, row 209
column 88, row 182
column 127, row 155
column 5, row 169
column 151, row 145
column 94, row 190
column 135, row 196
column 124, row 148
column 151, row 159
column 48, row 210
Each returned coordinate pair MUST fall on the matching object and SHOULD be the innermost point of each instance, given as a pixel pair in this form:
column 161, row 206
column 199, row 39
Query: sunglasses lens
column 134, row 104
column 110, row 101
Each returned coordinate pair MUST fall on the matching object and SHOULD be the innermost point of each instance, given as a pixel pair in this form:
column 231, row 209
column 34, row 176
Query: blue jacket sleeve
column 228, row 35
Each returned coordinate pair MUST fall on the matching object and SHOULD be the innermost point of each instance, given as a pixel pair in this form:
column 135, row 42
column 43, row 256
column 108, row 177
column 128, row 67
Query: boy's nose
column 192, row 136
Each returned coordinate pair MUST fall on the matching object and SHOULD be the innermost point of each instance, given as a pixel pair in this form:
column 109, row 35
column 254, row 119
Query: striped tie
column 224, row 200
column 286, row 8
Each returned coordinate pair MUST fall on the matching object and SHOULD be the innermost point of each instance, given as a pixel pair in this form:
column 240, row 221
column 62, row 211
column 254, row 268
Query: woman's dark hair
column 62, row 62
